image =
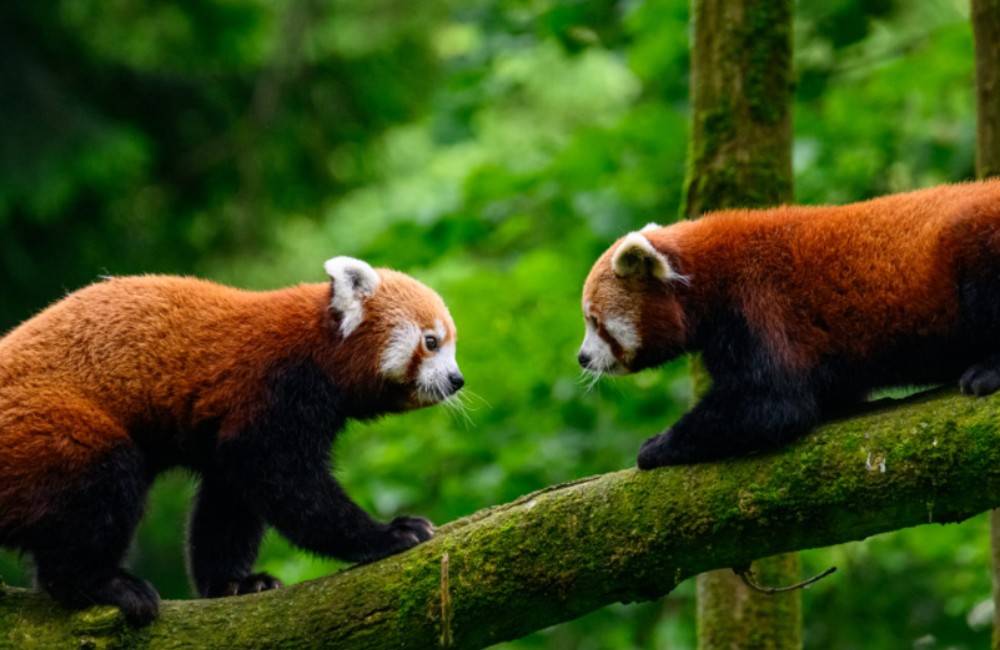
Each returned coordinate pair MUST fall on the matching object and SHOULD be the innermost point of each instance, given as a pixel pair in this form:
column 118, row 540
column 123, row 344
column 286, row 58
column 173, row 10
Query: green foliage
column 493, row 148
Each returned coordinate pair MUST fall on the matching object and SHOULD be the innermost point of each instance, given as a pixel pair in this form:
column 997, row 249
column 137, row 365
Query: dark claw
column 419, row 528
column 251, row 584
column 401, row 534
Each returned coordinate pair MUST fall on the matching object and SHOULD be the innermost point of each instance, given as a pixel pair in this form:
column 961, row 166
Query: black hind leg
column 982, row 378
column 75, row 589
column 78, row 548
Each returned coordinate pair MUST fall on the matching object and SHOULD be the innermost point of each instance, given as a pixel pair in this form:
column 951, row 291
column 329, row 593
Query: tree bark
column 986, row 29
column 734, row 617
column 741, row 91
column 740, row 156
column 557, row 554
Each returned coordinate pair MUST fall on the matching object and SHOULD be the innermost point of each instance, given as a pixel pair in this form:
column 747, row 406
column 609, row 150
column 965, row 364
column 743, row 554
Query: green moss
column 716, row 182
column 767, row 52
column 98, row 620
column 717, row 126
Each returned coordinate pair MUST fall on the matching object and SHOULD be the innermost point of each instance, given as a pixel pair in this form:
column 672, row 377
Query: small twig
column 746, row 575
column 446, row 612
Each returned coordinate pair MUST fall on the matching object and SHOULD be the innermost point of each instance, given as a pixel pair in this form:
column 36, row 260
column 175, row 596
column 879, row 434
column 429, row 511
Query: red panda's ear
column 353, row 282
column 636, row 256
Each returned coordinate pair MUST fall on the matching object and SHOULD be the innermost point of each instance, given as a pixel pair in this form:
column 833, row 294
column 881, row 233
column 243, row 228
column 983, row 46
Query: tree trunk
column 986, row 28
column 741, row 91
column 732, row 616
column 557, row 554
column 740, row 156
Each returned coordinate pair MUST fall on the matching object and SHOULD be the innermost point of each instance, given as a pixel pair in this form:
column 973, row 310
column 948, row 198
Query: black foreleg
column 223, row 540
column 730, row 423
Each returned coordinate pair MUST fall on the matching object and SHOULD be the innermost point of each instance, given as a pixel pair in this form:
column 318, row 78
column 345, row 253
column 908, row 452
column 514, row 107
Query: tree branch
column 562, row 552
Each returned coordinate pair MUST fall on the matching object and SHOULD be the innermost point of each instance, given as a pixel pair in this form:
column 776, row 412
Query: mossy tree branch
column 562, row 552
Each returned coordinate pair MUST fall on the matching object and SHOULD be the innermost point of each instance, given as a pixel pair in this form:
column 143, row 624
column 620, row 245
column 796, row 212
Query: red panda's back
column 172, row 351
column 845, row 279
column 111, row 333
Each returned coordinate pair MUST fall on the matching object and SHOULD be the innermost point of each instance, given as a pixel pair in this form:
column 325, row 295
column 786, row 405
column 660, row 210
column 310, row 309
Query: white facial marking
column 434, row 376
column 624, row 331
column 398, row 352
column 602, row 359
column 353, row 281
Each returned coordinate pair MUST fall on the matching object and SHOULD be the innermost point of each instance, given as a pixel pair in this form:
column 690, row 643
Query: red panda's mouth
column 615, row 367
column 618, row 368
column 428, row 398
column 421, row 396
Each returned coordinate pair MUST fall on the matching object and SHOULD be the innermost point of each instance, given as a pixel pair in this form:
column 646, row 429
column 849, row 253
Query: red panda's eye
column 431, row 342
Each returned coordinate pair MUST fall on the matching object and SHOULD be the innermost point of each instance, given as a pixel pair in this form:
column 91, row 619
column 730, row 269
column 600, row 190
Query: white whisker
column 457, row 407
column 472, row 400
column 594, row 379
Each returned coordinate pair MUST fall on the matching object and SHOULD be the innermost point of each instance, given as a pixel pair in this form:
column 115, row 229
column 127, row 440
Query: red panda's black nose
column 457, row 381
column 584, row 359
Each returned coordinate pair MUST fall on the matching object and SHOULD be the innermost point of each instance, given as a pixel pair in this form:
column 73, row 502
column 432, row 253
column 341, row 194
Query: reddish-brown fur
column 160, row 355
column 820, row 280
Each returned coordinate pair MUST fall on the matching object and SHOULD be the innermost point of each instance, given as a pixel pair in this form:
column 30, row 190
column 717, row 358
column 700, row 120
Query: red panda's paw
column 251, row 584
column 401, row 534
column 981, row 379
column 136, row 598
column 411, row 530
column 662, row 450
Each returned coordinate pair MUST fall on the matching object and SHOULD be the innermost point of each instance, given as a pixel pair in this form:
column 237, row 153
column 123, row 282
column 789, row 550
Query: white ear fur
column 353, row 281
column 636, row 256
column 650, row 226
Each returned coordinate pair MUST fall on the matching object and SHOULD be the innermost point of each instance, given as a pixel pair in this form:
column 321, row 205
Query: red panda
column 123, row 379
column 802, row 311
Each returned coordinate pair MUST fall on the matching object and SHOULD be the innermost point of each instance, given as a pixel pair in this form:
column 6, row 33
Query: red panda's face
column 399, row 330
column 632, row 317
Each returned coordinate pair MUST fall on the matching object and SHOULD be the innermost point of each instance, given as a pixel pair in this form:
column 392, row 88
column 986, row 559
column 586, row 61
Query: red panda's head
column 632, row 314
column 396, row 330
